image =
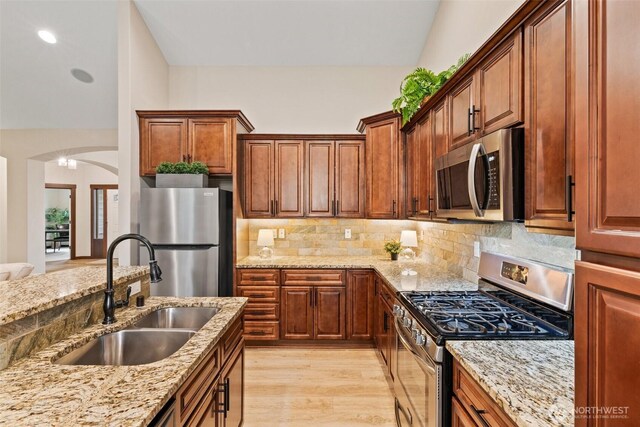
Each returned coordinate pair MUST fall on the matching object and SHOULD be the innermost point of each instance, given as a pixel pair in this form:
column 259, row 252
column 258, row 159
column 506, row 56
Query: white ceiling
column 37, row 89
column 289, row 32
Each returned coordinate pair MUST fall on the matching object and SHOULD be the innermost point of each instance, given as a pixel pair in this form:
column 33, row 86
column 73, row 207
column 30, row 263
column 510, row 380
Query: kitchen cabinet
column 262, row 313
column 313, row 304
column 490, row 98
column 383, row 154
column 549, row 119
column 334, row 179
column 189, row 136
column 385, row 333
column 273, row 179
column 440, row 131
column 419, row 169
column 213, row 395
column 471, row 405
column 360, row 304
column 607, row 351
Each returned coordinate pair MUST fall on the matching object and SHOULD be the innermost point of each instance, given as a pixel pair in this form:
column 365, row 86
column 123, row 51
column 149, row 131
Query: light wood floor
column 315, row 387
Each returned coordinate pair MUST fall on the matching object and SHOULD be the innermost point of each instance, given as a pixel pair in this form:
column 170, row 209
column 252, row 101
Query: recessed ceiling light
column 47, row 36
column 82, row 75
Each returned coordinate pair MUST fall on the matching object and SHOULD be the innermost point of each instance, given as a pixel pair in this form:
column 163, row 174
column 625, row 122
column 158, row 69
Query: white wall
column 20, row 145
column 143, row 83
column 82, row 177
column 462, row 26
column 290, row 99
column 55, row 197
column 3, row 209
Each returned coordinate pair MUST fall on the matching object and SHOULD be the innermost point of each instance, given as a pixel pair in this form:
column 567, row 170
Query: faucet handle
column 125, row 302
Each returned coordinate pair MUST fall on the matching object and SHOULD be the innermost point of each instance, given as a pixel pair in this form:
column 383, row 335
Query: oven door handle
column 409, row 348
column 478, row 148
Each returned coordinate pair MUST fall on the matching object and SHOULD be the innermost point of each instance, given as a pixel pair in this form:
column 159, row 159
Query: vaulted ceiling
column 37, row 89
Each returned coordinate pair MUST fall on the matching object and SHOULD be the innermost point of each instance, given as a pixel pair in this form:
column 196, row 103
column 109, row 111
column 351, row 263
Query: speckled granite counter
column 532, row 381
column 429, row 278
column 37, row 392
column 34, row 294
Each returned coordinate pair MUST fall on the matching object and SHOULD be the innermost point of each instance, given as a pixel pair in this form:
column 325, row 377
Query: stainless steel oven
column 483, row 180
column 418, row 385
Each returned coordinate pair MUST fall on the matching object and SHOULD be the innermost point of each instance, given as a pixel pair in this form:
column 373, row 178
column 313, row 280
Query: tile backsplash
column 448, row 245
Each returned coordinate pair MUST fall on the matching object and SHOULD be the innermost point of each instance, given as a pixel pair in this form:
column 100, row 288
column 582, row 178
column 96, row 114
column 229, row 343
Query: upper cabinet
column 490, row 98
column 419, row 169
column 548, row 120
column 383, row 154
column 607, row 127
column 189, row 136
column 290, row 176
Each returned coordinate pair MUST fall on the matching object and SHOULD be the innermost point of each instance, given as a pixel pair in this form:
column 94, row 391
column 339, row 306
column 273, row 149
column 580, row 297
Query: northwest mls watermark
column 602, row 412
column 565, row 414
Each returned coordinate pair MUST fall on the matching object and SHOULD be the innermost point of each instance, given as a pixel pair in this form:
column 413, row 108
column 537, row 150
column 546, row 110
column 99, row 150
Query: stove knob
column 397, row 310
column 407, row 322
column 414, row 334
column 420, row 339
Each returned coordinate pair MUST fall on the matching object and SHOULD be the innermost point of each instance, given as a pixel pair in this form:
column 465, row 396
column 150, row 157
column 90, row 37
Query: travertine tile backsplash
column 449, row 246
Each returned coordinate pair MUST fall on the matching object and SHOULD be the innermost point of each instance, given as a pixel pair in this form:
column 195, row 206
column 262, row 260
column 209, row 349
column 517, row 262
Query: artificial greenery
column 419, row 84
column 392, row 246
column 56, row 216
column 195, row 168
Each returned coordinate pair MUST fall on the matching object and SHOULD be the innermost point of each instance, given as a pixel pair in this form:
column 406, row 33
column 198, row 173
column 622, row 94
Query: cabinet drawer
column 313, row 277
column 260, row 294
column 384, row 292
column 258, row 277
column 256, row 330
column 231, row 338
column 192, row 391
column 476, row 401
column 262, row 311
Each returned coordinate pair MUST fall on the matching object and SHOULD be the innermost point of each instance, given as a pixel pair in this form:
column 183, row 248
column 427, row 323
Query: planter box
column 175, row 180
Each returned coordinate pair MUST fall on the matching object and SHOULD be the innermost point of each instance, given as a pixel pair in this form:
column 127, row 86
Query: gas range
column 516, row 299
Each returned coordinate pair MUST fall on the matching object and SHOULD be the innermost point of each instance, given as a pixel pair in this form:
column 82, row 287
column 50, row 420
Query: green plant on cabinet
column 195, row 168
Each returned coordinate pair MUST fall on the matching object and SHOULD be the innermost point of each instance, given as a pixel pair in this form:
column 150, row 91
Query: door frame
column 72, row 222
column 104, row 188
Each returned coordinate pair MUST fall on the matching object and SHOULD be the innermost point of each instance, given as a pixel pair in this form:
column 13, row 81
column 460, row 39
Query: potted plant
column 393, row 247
column 182, row 175
column 418, row 86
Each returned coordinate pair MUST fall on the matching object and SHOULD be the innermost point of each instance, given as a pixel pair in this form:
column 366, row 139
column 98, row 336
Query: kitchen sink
column 129, row 347
column 192, row 318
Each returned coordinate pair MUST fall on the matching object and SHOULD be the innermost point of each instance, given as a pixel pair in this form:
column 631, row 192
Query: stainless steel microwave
column 483, row 180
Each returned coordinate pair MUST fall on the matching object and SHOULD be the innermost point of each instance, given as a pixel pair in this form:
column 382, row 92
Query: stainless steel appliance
column 517, row 299
column 190, row 229
column 483, row 180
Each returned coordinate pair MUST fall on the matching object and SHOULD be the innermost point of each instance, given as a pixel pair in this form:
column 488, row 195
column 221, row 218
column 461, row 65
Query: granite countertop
column 429, row 277
column 37, row 392
column 532, row 381
column 33, row 294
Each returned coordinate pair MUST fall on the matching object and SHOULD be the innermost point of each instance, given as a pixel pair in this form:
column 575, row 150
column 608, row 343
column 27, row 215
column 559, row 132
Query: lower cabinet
column 385, row 332
column 471, row 406
column 313, row 312
column 214, row 393
column 360, row 303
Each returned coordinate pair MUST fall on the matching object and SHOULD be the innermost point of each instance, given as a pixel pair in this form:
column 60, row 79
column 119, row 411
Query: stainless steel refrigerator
column 190, row 229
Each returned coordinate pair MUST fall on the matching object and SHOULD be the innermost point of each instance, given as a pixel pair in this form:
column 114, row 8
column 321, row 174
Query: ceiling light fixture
column 47, row 36
column 82, row 75
column 72, row 164
column 62, row 161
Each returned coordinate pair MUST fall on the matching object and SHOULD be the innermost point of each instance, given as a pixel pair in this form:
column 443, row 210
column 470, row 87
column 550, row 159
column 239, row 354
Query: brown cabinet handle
column 479, row 413
column 256, row 296
column 473, row 119
column 337, row 207
column 257, row 333
column 276, row 211
column 333, row 207
column 469, row 113
column 221, row 389
column 271, row 212
column 258, row 313
column 184, row 158
column 569, row 198
column 394, row 209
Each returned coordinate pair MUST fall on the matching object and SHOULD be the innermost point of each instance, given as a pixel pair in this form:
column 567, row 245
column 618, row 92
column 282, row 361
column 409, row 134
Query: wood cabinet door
column 320, row 179
column 296, row 317
column 549, row 113
column 161, row 140
column 607, row 126
column 382, row 152
column 289, row 167
column 461, row 101
column 330, row 310
column 424, row 169
column 499, row 85
column 607, row 343
column 411, row 169
column 440, row 131
column 459, row 416
column 383, row 322
column 259, row 179
column 234, row 388
column 210, row 142
column 350, row 179
column 360, row 301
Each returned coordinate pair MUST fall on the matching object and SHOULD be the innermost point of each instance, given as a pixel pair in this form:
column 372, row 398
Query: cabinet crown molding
column 229, row 114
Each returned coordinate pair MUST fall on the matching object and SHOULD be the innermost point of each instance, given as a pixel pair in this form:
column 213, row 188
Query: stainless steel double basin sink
column 154, row 337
